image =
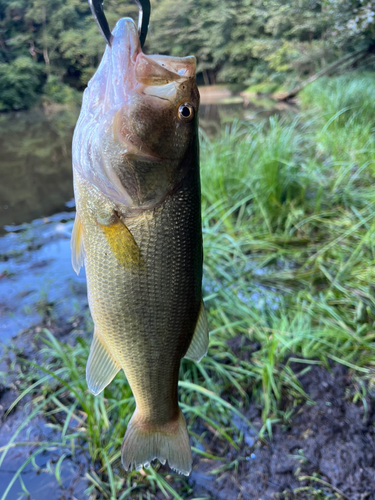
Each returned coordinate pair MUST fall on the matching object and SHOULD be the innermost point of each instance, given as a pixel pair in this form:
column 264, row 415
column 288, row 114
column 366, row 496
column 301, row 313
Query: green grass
column 289, row 231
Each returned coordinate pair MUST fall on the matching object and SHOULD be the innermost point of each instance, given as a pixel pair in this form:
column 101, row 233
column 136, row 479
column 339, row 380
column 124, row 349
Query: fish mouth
column 120, row 61
column 131, row 69
column 126, row 64
column 151, row 74
column 136, row 77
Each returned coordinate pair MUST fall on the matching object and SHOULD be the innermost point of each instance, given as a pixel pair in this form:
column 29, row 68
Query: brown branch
column 331, row 67
column 361, row 57
column 45, row 49
column 4, row 47
column 32, row 49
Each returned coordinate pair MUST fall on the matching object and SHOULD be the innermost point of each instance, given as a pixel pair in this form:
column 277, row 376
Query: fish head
column 137, row 135
column 164, row 104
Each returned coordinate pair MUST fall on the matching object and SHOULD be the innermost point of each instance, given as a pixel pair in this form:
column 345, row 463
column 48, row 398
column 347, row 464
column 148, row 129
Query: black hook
column 96, row 7
column 143, row 19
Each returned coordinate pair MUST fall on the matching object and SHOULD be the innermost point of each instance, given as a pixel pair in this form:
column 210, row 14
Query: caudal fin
column 142, row 444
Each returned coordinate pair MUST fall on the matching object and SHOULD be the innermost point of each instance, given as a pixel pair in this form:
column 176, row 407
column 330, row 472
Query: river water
column 35, row 161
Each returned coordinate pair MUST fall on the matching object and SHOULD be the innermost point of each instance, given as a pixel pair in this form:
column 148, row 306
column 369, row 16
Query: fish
column 138, row 232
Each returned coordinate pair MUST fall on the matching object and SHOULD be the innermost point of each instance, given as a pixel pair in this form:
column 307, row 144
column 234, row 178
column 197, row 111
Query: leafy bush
column 20, row 83
column 343, row 98
column 55, row 91
column 344, row 109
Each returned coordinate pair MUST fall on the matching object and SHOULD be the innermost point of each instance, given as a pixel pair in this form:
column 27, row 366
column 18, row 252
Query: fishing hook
column 144, row 6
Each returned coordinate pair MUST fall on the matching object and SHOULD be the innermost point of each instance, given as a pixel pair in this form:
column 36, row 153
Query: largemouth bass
column 138, row 232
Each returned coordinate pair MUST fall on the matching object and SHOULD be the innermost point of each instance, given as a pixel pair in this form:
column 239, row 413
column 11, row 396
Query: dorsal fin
column 76, row 245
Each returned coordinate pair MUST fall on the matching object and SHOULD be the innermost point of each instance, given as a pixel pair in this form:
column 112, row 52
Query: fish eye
column 186, row 112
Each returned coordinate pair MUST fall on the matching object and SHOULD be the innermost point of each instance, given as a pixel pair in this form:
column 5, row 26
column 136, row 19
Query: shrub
column 56, row 91
column 20, row 83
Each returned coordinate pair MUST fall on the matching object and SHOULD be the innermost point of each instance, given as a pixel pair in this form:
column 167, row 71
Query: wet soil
column 37, row 475
column 326, row 451
column 38, row 289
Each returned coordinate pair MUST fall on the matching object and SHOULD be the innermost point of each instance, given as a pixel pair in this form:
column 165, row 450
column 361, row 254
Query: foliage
column 250, row 40
column 353, row 22
column 57, row 36
column 235, row 41
column 20, row 83
column 289, row 227
column 55, row 91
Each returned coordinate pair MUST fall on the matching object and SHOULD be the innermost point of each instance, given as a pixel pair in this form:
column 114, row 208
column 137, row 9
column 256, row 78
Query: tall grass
column 344, row 109
column 289, row 227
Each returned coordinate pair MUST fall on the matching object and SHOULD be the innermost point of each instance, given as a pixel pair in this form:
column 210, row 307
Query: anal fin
column 101, row 367
column 199, row 343
column 76, row 245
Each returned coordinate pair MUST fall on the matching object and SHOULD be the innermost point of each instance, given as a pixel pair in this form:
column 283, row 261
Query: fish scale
column 123, row 299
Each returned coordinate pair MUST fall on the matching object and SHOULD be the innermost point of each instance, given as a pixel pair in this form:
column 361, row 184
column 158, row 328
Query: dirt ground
column 332, row 441
column 326, row 452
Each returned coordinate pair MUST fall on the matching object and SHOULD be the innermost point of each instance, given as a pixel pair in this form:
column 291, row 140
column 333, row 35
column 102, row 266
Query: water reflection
column 35, row 163
column 213, row 116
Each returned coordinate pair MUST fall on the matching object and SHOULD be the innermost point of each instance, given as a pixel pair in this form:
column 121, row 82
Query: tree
column 235, row 41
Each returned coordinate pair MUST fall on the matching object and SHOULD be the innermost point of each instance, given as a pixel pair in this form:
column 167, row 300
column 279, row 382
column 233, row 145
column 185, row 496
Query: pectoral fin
column 199, row 343
column 122, row 243
column 76, row 245
column 101, row 368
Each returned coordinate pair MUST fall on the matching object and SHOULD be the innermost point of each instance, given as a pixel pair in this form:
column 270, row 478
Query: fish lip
column 125, row 34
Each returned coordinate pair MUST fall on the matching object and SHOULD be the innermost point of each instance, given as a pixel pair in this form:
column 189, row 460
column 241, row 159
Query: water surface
column 35, row 164
column 36, row 149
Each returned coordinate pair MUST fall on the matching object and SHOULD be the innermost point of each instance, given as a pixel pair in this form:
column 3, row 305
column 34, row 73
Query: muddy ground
column 332, row 440
column 327, row 451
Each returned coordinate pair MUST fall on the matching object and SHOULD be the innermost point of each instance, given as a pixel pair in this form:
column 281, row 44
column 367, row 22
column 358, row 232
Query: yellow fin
column 144, row 443
column 122, row 243
column 199, row 343
column 76, row 245
column 101, row 368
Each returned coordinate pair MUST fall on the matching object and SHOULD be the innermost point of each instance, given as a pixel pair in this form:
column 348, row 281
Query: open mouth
column 130, row 67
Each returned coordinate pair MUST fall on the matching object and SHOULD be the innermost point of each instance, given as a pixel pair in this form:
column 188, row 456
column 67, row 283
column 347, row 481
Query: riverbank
column 309, row 444
column 283, row 406
column 36, row 171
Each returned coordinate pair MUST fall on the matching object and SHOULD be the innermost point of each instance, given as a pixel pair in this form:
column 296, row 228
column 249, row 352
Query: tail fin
column 141, row 445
